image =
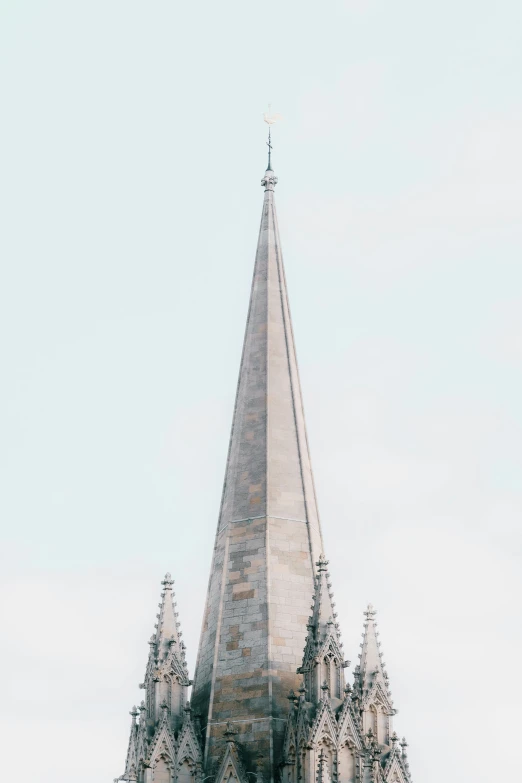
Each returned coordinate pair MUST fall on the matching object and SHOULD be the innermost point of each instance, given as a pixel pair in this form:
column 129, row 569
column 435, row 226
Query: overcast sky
column 132, row 148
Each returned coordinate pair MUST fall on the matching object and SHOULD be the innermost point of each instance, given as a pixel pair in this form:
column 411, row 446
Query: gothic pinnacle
column 371, row 664
column 166, row 683
column 167, row 635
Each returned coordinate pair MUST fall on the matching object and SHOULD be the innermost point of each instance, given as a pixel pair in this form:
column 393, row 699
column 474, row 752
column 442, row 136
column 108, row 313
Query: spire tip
column 270, row 119
column 168, row 581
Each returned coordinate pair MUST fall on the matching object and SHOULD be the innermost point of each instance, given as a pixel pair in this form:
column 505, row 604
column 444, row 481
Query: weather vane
column 270, row 120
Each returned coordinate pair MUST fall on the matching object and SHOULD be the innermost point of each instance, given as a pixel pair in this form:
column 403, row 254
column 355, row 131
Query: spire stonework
column 268, row 536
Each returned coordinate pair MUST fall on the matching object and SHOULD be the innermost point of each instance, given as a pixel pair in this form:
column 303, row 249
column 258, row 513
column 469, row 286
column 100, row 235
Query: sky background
column 131, row 152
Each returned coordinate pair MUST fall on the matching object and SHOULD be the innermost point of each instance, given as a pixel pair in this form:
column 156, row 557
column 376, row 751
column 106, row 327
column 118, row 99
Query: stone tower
column 269, row 695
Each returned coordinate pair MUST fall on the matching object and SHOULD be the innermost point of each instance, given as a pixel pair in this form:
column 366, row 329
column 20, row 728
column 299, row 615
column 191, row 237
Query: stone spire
column 323, row 613
column 371, row 682
column 371, row 665
column 268, row 472
column 168, row 636
column 268, row 534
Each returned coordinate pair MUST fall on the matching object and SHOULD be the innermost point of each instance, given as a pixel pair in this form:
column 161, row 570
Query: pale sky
column 132, row 148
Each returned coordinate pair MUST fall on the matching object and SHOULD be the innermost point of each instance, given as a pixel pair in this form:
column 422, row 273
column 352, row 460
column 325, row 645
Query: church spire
column 257, row 616
column 268, row 536
column 268, row 468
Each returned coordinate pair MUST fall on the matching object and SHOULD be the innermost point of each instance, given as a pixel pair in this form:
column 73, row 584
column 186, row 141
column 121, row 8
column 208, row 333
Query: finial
column 270, row 119
column 372, row 744
column 269, row 144
column 269, row 181
column 168, row 581
column 370, row 612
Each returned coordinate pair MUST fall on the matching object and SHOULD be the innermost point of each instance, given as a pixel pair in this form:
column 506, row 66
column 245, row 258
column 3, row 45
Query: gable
column 394, row 772
column 331, row 646
column 162, row 744
column 188, row 745
column 230, row 770
column 377, row 696
column 324, row 725
column 348, row 729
